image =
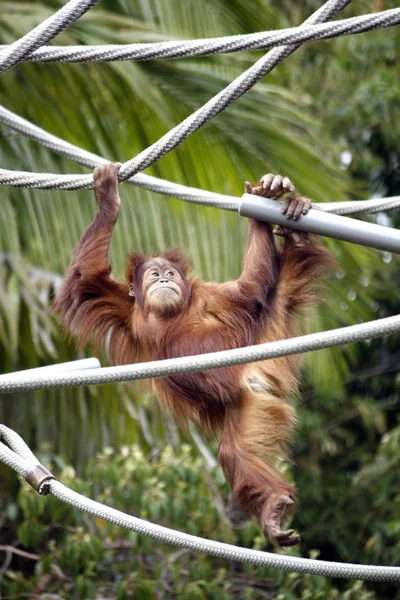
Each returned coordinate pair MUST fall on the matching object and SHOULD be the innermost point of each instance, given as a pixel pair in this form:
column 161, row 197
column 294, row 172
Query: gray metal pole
column 322, row 223
column 75, row 365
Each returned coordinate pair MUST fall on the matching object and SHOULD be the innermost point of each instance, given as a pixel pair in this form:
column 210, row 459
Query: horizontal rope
column 49, row 181
column 209, row 46
column 16, row 52
column 362, row 206
column 22, row 461
column 153, row 184
column 215, row 360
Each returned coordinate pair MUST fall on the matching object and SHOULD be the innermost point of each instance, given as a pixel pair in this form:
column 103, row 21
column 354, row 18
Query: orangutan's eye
column 170, row 274
column 155, row 274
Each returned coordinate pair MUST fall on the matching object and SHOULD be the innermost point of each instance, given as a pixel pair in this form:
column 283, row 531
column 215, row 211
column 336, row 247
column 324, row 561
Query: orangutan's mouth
column 165, row 287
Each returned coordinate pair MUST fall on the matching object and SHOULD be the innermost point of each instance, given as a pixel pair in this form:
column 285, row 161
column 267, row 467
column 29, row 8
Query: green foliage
column 356, row 86
column 76, row 556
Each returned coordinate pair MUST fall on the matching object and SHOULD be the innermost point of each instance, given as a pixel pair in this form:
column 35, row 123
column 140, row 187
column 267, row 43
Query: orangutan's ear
column 131, row 290
column 135, row 261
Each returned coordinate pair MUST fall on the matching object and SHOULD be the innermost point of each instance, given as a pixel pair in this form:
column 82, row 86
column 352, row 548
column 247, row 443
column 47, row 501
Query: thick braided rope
column 212, row 108
column 16, row 52
column 362, row 206
column 10, row 458
column 221, row 550
column 209, row 46
column 154, row 184
column 26, row 179
column 215, row 360
column 21, row 460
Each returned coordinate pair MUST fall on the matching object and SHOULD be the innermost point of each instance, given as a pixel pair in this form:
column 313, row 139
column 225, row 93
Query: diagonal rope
column 153, row 184
column 215, row 360
column 222, row 100
column 191, row 124
column 210, row 46
column 91, row 160
column 22, row 461
column 16, row 52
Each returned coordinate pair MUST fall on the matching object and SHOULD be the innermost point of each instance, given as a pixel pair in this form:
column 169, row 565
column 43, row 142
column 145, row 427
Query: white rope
column 191, row 124
column 153, row 184
column 16, row 52
column 215, row 360
column 50, row 181
column 209, row 46
column 362, row 206
column 21, row 460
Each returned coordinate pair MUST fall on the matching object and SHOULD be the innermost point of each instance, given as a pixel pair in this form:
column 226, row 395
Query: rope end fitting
column 39, row 479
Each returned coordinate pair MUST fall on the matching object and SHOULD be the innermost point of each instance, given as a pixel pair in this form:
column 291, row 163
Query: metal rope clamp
column 39, row 479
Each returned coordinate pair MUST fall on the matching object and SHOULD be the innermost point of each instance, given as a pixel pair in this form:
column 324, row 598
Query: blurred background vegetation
column 329, row 118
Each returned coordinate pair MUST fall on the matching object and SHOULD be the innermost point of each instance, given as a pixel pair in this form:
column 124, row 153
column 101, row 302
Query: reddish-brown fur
column 247, row 406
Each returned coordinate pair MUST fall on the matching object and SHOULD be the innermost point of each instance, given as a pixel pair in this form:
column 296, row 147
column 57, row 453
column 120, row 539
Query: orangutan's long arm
column 91, row 304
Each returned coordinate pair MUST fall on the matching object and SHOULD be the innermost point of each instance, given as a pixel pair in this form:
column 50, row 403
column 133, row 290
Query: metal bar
column 75, row 365
column 322, row 223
